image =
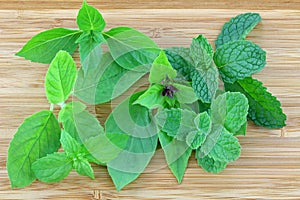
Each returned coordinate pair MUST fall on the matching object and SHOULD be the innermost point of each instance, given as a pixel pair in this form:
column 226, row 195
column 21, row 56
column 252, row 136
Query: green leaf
column 177, row 154
column 131, row 49
column 106, row 147
column 44, row 46
column 180, row 59
column 242, row 130
column 52, row 168
column 60, row 77
column 141, row 145
column 88, row 41
column 264, row 109
column 239, row 59
column 78, row 122
column 237, row 28
column 185, row 94
column 83, row 167
column 89, row 18
column 69, row 144
column 203, row 122
column 176, row 122
column 104, row 82
column 161, row 69
column 209, row 164
column 36, row 137
column 152, row 98
column 201, row 53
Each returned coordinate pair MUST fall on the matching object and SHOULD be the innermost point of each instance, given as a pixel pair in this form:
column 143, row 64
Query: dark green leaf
column 209, row 164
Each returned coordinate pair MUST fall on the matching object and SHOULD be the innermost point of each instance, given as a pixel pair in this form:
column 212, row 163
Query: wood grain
column 269, row 167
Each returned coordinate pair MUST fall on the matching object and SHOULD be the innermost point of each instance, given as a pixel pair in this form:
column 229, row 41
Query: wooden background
column 269, row 167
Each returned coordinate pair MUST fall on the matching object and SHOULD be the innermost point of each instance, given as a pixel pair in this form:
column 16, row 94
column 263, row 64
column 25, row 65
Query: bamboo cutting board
column 269, row 167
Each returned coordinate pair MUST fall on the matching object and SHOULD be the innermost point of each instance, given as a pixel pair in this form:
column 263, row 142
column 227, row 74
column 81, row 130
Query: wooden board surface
column 269, row 167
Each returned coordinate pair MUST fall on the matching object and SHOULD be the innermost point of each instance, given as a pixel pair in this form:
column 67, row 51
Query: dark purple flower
column 169, row 91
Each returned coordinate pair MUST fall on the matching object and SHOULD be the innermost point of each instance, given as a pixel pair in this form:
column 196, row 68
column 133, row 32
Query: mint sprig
column 183, row 109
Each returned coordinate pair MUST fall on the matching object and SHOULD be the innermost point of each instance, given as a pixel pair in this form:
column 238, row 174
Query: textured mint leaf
column 104, row 82
column 60, row 77
column 69, row 144
column 83, row 167
column 201, row 53
column 209, row 164
column 161, row 69
column 181, row 60
column 195, row 139
column 176, row 122
column 106, row 147
column 177, row 154
column 89, row 18
column 239, row 59
column 52, row 168
column 237, row 28
column 131, row 49
column 242, row 130
column 264, row 109
column 88, row 41
column 185, row 93
column 203, row 122
column 141, row 145
column 36, row 137
column 44, row 46
column 152, row 98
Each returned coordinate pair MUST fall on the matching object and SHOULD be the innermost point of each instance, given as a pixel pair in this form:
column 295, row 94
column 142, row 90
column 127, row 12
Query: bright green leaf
column 239, row 59
column 237, row 28
column 161, row 69
column 152, row 98
column 185, row 94
column 131, row 49
column 264, row 109
column 177, row 154
column 210, row 165
column 83, row 167
column 44, row 46
column 36, row 137
column 60, row 77
column 69, row 144
column 89, row 18
column 52, row 168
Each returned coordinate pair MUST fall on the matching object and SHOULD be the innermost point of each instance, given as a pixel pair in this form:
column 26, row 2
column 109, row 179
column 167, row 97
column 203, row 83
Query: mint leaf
column 69, row 144
column 264, row 109
column 203, row 122
column 185, row 94
column 176, row 122
column 36, row 137
column 89, row 18
column 201, row 53
column 83, row 167
column 152, row 98
column 209, row 164
column 60, row 77
column 104, row 82
column 87, row 42
column 239, row 59
column 78, row 122
column 141, row 144
column 237, row 28
column 161, row 69
column 180, row 60
column 177, row 154
column 44, row 46
column 131, row 49
column 52, row 168
column 106, row 147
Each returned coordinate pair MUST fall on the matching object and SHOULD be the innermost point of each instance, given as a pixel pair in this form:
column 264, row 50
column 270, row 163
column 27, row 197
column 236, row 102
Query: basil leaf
column 36, row 137
column 141, row 145
column 176, row 122
column 89, row 18
column 78, row 122
column 60, row 77
column 239, row 59
column 161, row 69
column 131, row 49
column 104, row 82
column 83, row 167
column 181, row 61
column 52, row 168
column 264, row 109
column 185, row 94
column 44, row 46
column 177, row 154
column 237, row 28
column 152, row 98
